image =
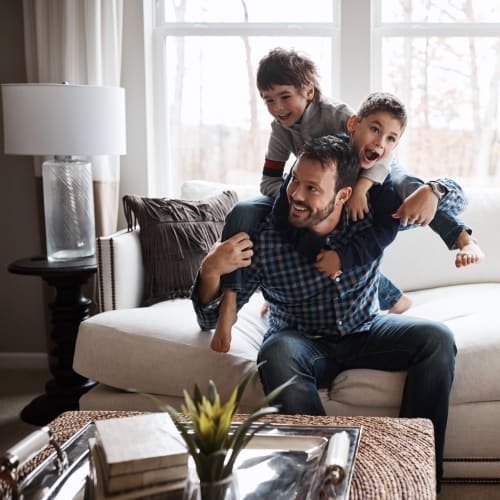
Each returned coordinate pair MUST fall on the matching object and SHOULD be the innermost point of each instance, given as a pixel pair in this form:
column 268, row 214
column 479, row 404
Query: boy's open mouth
column 371, row 155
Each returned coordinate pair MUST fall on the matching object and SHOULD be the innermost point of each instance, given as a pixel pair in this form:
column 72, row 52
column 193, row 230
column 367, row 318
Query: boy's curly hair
column 383, row 101
column 287, row 67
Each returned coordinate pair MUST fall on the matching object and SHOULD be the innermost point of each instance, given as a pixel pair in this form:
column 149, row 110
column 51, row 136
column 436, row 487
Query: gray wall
column 23, row 313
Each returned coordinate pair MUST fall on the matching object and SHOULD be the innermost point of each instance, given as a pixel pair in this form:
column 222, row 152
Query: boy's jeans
column 423, row 348
column 245, row 216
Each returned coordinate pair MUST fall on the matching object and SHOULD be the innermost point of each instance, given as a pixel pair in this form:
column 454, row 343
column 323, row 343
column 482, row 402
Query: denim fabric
column 423, row 348
column 388, row 293
column 445, row 223
column 245, row 216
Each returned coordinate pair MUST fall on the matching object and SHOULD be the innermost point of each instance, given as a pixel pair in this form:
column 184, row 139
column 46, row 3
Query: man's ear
column 343, row 195
column 351, row 124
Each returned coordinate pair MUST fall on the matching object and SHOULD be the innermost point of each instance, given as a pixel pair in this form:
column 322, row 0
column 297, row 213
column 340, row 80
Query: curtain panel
column 79, row 41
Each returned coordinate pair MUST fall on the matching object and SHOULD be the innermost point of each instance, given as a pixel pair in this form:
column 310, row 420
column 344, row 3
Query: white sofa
column 160, row 349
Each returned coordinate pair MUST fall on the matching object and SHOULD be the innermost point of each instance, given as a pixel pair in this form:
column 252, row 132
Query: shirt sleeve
column 278, row 151
column 377, row 174
column 367, row 238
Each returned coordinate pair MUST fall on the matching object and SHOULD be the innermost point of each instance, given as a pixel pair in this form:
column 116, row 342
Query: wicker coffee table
column 395, row 457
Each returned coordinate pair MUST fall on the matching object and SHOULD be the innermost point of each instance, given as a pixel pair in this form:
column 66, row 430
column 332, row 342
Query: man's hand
column 328, row 263
column 358, row 202
column 419, row 208
column 228, row 256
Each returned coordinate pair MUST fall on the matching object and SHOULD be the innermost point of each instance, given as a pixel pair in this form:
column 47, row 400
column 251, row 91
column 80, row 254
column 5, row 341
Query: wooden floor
column 19, row 386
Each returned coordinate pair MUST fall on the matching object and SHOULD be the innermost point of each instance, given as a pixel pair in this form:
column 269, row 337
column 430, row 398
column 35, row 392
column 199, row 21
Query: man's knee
column 280, row 355
column 442, row 343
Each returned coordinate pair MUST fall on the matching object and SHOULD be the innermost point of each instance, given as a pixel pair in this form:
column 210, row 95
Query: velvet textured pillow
column 175, row 235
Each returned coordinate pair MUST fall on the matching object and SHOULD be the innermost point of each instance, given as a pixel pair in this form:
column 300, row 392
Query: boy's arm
column 365, row 241
column 368, row 238
column 358, row 202
column 277, row 154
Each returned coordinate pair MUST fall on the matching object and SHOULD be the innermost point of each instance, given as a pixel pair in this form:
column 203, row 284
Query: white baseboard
column 23, row 360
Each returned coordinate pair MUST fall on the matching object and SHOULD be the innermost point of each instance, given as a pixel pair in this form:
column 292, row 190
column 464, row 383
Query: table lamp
column 65, row 121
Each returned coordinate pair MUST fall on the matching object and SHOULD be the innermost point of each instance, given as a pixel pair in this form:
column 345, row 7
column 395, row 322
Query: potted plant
column 205, row 425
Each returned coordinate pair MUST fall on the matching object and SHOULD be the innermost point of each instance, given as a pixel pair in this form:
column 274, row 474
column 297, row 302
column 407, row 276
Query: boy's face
column 287, row 103
column 374, row 137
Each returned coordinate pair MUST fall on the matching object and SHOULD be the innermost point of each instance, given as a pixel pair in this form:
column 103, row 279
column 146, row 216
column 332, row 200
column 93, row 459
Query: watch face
column 440, row 189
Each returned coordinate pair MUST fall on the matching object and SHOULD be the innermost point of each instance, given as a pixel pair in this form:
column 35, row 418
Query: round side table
column 68, row 310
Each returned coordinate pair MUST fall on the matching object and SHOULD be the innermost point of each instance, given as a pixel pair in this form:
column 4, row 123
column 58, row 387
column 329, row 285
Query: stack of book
column 142, row 456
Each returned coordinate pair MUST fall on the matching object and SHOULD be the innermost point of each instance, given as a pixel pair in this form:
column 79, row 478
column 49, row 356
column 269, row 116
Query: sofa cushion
column 175, row 236
column 161, row 350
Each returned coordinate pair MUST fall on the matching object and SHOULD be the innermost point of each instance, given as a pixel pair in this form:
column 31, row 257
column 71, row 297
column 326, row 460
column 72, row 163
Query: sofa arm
column 119, row 270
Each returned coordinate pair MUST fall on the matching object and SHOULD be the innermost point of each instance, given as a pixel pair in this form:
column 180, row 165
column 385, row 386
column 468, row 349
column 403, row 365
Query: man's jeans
column 425, row 349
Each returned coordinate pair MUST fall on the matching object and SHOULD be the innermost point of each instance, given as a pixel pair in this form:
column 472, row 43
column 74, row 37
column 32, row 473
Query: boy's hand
column 358, row 202
column 419, row 208
column 228, row 256
column 328, row 263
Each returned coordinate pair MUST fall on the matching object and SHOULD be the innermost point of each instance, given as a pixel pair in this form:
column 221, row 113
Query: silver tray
column 288, row 461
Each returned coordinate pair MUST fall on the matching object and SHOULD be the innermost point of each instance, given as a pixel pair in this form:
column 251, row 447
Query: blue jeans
column 244, row 216
column 423, row 348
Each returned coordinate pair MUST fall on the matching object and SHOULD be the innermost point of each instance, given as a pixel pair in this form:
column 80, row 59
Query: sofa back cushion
column 175, row 235
column 418, row 258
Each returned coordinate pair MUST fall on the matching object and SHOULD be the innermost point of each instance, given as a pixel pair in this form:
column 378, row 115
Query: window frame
column 165, row 178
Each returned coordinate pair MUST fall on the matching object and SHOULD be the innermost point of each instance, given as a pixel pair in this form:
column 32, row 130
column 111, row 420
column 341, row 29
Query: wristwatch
column 437, row 188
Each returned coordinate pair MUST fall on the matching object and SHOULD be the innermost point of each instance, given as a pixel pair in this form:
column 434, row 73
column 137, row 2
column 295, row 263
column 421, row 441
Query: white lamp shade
column 61, row 119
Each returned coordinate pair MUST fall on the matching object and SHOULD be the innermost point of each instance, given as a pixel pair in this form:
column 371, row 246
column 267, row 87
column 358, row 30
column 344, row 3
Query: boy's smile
column 287, row 103
column 375, row 136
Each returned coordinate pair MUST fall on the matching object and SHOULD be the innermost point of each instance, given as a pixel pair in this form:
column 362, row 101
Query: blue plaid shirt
column 302, row 298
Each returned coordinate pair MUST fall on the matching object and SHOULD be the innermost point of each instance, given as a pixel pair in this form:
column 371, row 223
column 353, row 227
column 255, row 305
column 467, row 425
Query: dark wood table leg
column 69, row 308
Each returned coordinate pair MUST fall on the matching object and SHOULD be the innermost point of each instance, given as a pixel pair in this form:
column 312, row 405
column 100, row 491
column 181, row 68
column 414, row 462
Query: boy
column 374, row 133
column 288, row 84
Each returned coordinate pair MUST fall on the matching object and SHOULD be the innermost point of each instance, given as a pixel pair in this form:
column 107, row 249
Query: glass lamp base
column 69, row 209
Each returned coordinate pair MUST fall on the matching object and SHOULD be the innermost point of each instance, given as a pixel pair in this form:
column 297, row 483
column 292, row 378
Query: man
column 319, row 326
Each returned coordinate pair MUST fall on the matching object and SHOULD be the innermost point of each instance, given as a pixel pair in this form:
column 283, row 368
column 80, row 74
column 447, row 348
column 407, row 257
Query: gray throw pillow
column 175, row 235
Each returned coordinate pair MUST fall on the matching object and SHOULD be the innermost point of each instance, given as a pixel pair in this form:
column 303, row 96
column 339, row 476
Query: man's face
column 312, row 197
column 287, row 103
column 374, row 137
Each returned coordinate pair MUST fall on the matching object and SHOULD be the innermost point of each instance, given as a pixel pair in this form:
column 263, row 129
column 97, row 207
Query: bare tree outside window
column 440, row 58
column 451, row 84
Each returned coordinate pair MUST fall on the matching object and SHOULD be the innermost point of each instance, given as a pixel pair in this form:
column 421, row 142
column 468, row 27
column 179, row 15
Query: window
column 440, row 58
column 216, row 125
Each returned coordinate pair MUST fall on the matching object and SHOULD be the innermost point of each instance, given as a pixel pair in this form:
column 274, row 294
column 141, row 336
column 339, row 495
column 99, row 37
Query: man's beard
column 314, row 218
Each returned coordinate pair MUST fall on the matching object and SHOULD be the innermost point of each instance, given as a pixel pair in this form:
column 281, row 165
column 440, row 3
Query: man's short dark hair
column 383, row 101
column 287, row 67
column 336, row 149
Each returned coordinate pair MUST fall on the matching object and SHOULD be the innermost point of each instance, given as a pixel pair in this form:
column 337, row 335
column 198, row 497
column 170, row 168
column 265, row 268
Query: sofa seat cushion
column 161, row 350
column 477, row 335
column 152, row 339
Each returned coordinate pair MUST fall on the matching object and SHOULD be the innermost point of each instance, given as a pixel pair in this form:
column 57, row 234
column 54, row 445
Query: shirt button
column 337, row 279
column 339, row 322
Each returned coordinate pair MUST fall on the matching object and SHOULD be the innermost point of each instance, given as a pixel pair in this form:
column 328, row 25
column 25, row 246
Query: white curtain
column 79, row 41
